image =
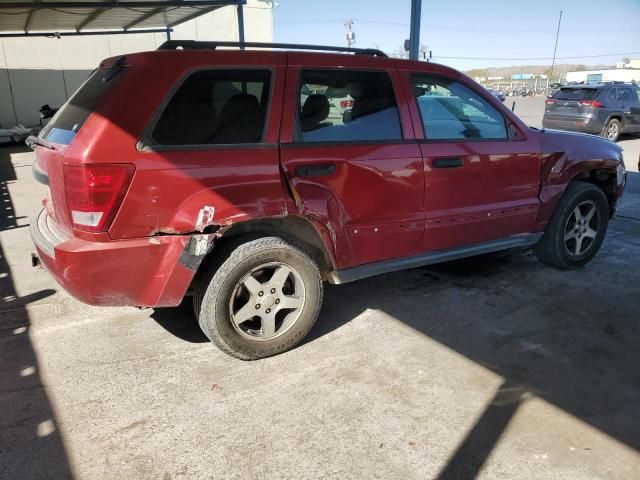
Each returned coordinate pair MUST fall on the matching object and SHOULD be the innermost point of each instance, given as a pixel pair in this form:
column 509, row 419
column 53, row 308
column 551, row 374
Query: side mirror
column 346, row 116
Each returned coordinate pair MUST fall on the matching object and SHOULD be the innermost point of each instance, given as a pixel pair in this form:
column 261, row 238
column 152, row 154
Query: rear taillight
column 549, row 101
column 94, row 194
column 346, row 103
column 591, row 103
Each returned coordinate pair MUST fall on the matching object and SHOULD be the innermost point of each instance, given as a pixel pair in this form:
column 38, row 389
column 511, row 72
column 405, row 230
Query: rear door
column 630, row 106
column 359, row 173
column 482, row 171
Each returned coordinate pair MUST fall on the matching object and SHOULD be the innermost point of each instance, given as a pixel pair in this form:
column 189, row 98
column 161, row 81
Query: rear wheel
column 576, row 229
column 611, row 130
column 260, row 300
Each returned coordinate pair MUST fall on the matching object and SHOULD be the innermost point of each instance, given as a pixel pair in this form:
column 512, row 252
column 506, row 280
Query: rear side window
column 626, row 94
column 216, row 107
column 452, row 111
column 66, row 123
column 347, row 106
column 576, row 94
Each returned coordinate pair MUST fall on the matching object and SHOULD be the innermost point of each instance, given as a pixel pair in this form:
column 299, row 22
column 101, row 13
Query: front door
column 482, row 173
column 350, row 159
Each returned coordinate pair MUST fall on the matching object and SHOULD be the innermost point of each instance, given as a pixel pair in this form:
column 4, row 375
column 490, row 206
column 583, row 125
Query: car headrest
column 315, row 110
column 366, row 106
column 238, row 105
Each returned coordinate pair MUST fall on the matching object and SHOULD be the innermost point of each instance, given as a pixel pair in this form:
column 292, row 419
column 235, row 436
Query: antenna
column 351, row 36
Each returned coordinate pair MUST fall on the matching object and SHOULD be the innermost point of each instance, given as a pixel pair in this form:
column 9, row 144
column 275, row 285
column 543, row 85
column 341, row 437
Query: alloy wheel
column 581, row 228
column 267, row 301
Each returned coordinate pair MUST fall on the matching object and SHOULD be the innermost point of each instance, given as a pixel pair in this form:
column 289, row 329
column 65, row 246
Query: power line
column 441, row 27
column 539, row 58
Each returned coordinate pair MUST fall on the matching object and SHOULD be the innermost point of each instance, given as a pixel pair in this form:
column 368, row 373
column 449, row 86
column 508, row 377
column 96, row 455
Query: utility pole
column 555, row 48
column 414, row 34
column 351, row 36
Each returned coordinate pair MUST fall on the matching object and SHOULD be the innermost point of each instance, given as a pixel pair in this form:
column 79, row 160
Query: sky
column 487, row 33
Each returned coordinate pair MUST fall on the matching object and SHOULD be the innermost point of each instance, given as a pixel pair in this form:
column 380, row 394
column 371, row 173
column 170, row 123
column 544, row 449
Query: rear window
column 576, row 94
column 66, row 123
column 216, row 107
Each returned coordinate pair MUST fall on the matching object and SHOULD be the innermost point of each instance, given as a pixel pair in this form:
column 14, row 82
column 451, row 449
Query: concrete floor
column 493, row 367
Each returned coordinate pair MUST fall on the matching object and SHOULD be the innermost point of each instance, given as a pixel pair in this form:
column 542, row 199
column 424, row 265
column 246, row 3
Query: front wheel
column 577, row 228
column 260, row 300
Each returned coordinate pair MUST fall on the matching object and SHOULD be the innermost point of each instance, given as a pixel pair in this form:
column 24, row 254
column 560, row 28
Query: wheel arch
column 603, row 178
column 309, row 234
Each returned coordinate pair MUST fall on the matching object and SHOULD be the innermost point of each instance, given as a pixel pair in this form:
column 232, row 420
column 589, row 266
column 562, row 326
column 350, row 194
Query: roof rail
column 198, row 45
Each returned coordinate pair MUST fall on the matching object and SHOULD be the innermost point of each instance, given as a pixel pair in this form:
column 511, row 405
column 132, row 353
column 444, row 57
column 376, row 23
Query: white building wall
column 37, row 71
column 611, row 75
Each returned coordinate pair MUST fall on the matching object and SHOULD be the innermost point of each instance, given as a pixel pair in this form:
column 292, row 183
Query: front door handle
column 314, row 170
column 447, row 162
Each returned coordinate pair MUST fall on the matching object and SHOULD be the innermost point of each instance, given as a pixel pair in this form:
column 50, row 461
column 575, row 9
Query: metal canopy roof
column 72, row 17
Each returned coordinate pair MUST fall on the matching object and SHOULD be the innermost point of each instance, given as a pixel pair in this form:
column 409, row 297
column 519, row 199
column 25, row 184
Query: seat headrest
column 366, row 106
column 315, row 110
column 240, row 104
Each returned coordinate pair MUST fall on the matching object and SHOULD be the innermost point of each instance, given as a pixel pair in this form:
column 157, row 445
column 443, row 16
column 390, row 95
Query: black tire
column 611, row 130
column 552, row 249
column 222, row 279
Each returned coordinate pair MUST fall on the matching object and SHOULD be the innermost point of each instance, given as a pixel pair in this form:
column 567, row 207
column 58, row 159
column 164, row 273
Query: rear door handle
column 447, row 162
column 314, row 170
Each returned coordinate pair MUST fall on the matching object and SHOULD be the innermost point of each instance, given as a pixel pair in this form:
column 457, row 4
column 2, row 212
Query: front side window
column 452, row 111
column 216, row 107
column 347, row 106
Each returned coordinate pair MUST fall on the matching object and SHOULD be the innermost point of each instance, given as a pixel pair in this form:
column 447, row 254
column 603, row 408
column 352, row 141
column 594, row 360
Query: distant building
column 522, row 76
column 624, row 72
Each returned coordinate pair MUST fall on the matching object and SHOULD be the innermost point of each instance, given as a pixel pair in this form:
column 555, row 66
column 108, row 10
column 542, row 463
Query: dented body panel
column 382, row 200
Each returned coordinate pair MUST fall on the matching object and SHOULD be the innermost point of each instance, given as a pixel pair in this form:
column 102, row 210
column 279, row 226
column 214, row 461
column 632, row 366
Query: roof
column 599, row 85
column 72, row 17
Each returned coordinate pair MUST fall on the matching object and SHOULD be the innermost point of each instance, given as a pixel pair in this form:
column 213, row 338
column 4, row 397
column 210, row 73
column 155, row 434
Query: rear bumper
column 575, row 124
column 152, row 272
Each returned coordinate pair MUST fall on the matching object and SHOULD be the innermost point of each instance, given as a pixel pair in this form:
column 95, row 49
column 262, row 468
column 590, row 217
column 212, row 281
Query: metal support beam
column 95, row 14
column 240, row 11
column 120, row 4
column 27, row 24
column 143, row 17
column 414, row 36
column 197, row 13
column 83, row 34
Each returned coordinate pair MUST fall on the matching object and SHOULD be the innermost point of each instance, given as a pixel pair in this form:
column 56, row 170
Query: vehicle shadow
column 31, row 445
column 180, row 321
column 581, row 354
column 8, row 218
column 570, row 338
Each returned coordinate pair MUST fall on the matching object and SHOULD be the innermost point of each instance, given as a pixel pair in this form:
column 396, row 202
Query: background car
column 607, row 109
column 553, row 89
column 499, row 95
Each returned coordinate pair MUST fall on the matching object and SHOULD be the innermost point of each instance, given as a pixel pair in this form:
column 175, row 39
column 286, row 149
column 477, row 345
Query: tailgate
column 570, row 102
column 62, row 130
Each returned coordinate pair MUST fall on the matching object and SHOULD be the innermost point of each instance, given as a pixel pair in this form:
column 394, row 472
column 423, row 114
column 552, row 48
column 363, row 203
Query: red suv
column 219, row 174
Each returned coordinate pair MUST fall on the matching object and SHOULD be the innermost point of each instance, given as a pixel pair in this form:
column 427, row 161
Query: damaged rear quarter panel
column 188, row 191
column 175, row 190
